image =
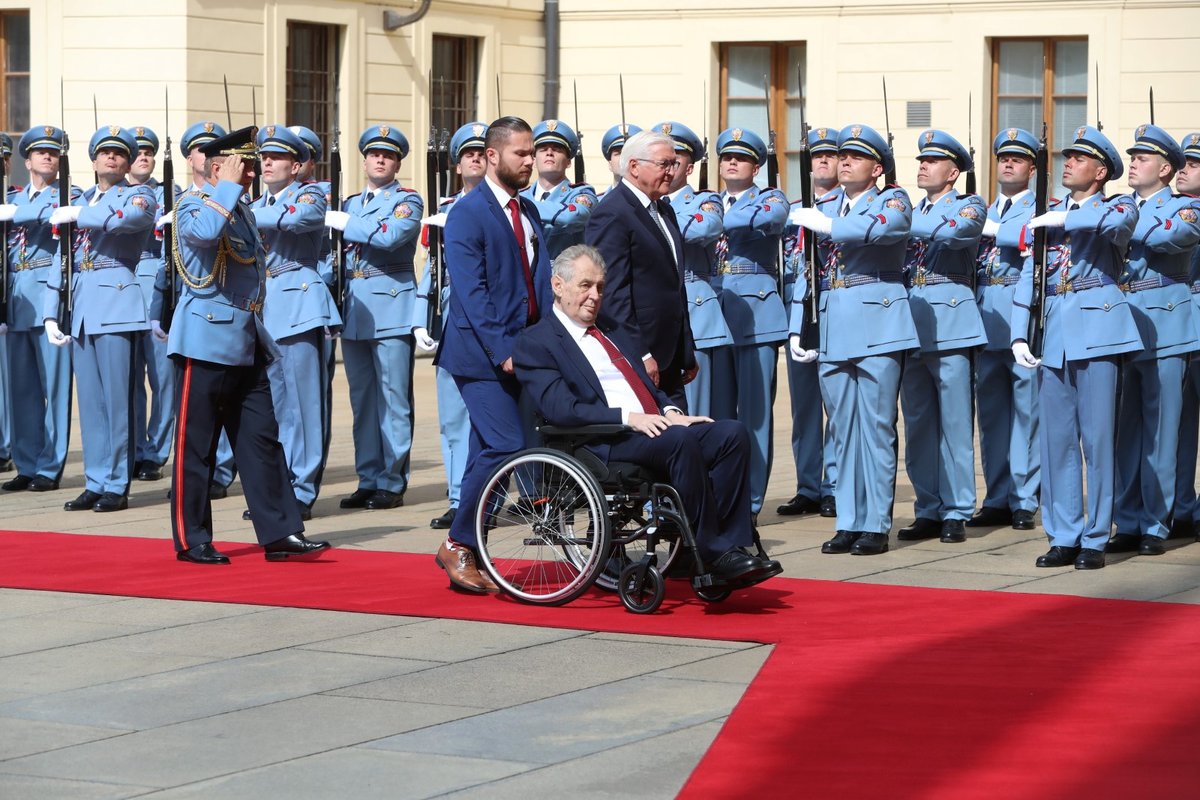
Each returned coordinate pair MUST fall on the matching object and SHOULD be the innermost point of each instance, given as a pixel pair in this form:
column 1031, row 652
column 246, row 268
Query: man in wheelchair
column 580, row 375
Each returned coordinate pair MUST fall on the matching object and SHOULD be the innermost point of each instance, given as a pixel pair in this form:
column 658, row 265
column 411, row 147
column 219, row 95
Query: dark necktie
column 370, row 197
column 271, row 200
column 518, row 230
column 621, row 363
column 1141, row 202
column 1007, row 206
column 545, row 195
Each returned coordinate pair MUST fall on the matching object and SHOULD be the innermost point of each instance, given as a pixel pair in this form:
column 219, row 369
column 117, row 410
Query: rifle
column 256, row 184
column 970, row 149
column 96, row 125
column 168, row 238
column 889, row 177
column 704, row 155
column 1099, row 124
column 1037, row 308
column 621, row 86
column 808, row 241
column 432, row 192
column 66, row 231
column 335, row 204
column 228, row 113
column 4, row 244
column 773, row 180
column 1151, row 105
column 499, row 113
column 580, row 171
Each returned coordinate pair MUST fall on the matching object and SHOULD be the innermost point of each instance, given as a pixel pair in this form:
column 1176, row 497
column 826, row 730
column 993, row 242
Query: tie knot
column 370, row 196
column 271, row 200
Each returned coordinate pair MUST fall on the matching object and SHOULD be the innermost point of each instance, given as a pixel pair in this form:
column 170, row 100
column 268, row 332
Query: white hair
column 638, row 147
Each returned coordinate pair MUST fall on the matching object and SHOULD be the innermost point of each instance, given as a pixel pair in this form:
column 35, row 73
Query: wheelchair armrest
column 583, row 431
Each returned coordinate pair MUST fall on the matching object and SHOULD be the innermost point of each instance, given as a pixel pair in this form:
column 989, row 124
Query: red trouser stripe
column 177, row 496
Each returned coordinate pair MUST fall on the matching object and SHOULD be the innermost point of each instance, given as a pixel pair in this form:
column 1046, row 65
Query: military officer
column 380, row 228
column 41, row 379
column 454, row 423
column 939, row 451
column 112, row 221
column 611, row 145
column 1006, row 395
column 700, row 217
column 1156, row 286
column 1187, row 509
column 1088, row 327
column 747, row 284
column 812, row 440
column 6, row 461
column 298, row 308
column 866, row 326
column 564, row 207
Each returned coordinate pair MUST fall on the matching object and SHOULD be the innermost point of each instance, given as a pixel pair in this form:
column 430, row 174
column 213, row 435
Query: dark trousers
column 210, row 397
column 709, row 465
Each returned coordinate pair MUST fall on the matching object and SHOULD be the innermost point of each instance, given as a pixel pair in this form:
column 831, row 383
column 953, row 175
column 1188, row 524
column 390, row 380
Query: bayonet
column 228, row 113
column 580, row 170
column 890, row 176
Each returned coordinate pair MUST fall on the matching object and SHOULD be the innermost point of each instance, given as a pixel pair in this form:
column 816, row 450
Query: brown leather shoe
column 459, row 564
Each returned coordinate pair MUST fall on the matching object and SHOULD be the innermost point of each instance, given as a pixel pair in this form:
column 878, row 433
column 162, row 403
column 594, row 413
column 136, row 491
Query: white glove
column 437, row 220
column 1051, row 219
column 1024, row 356
column 56, row 337
column 337, row 219
column 991, row 228
column 811, row 218
column 166, row 219
column 424, row 341
column 65, row 214
column 157, row 332
column 798, row 353
column 3, row 328
column 7, row 212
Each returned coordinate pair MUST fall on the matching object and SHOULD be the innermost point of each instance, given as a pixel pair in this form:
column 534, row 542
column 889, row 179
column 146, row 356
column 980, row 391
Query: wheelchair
column 555, row 520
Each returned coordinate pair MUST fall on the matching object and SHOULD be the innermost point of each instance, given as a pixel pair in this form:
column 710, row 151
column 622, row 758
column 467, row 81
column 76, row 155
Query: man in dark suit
column 638, row 237
column 578, row 374
column 501, row 280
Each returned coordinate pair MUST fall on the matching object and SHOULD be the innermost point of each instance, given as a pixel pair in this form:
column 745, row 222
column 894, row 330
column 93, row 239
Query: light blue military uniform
column 812, row 439
column 297, row 311
column 6, row 148
column 40, row 381
column 747, row 284
column 1088, row 327
column 1006, row 394
column 866, row 326
column 1156, row 283
column 1187, row 509
column 377, row 342
column 614, row 139
column 109, row 314
column 700, row 217
column 939, row 452
column 565, row 208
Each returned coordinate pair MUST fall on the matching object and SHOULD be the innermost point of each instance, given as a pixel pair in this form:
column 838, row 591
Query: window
column 1036, row 80
column 745, row 97
column 455, row 77
column 313, row 69
column 14, row 83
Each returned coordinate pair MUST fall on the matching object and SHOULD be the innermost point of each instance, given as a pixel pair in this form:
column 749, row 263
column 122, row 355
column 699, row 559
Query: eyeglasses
column 661, row 163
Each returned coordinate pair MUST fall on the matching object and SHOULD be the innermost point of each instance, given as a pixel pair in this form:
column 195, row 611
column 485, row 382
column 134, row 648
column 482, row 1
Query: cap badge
column 478, row 130
column 928, row 137
column 1012, row 134
column 49, row 129
column 856, row 131
column 140, row 131
column 551, row 125
column 1141, row 131
column 736, row 134
column 384, row 130
column 1195, row 140
column 1080, row 132
column 270, row 130
column 208, row 127
column 666, row 128
column 113, row 130
column 822, row 133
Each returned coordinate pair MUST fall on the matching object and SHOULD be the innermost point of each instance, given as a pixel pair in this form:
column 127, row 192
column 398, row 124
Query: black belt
column 370, row 271
column 850, row 281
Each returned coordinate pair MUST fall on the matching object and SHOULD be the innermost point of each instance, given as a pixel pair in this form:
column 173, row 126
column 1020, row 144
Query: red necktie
column 518, row 230
column 620, row 362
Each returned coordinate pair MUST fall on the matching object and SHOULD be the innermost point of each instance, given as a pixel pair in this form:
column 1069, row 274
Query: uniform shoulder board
column 826, row 199
column 356, row 194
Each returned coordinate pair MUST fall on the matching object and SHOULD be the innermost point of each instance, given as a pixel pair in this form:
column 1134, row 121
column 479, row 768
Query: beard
column 513, row 179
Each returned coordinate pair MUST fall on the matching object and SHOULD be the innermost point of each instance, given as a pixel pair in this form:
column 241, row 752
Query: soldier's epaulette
column 1116, row 196
column 582, row 185
column 14, row 189
column 829, row 198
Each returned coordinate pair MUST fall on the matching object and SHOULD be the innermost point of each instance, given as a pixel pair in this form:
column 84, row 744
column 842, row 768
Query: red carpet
column 872, row 691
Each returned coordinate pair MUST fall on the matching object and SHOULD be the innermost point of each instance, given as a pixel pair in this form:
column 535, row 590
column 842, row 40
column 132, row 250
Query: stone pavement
column 108, row 697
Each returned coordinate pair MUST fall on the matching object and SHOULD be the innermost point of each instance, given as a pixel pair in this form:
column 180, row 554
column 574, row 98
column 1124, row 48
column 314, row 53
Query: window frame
column 327, row 83
column 777, row 100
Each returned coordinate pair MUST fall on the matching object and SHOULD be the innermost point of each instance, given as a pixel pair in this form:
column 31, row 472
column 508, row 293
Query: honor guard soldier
column 6, row 461
column 221, row 350
column 380, row 228
column 564, row 208
column 866, row 326
column 812, row 440
column 1005, row 394
column 112, row 221
column 611, row 145
column 40, row 378
column 298, row 308
column 1187, row 509
column 467, row 153
column 1089, row 326
column 1156, row 283
column 700, row 217
column 747, row 283
column 939, row 452
column 152, row 433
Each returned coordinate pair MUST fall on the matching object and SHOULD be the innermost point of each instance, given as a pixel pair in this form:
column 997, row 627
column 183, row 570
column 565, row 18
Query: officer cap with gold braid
column 40, row 137
column 1190, row 145
column 1153, row 139
column 822, row 140
column 145, row 138
column 238, row 143
column 1091, row 142
column 686, row 140
column 1016, row 142
column 310, row 138
column 939, row 144
column 199, row 134
column 865, row 139
column 614, row 138
column 383, row 137
column 113, row 137
column 469, row 137
column 278, row 139
column 744, row 142
column 555, row 131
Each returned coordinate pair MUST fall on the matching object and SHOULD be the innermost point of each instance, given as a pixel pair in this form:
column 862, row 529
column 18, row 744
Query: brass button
column 762, row 293
column 886, row 302
column 699, row 301
column 953, row 302
column 393, row 292
column 1170, row 306
column 209, row 317
column 304, row 287
column 120, row 285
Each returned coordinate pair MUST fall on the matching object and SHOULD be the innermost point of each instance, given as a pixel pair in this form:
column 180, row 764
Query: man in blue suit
column 501, row 279
column 579, row 373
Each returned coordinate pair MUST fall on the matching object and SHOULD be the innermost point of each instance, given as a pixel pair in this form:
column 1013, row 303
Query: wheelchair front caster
column 713, row 594
column 641, row 589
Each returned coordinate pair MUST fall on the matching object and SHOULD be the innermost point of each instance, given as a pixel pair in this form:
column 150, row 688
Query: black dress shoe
column 1089, row 559
column 111, row 501
column 922, row 528
column 294, row 546
column 246, row 515
column 1151, row 546
column 1123, row 543
column 1058, row 557
column 990, row 517
column 870, row 544
column 217, row 492
column 41, row 483
column 203, row 554
column 798, row 505
column 17, row 484
column 444, row 521
column 384, row 499
column 953, row 531
column 828, row 506
column 85, row 501
column 734, row 566
column 149, row 471
column 841, row 542
column 6, row 465
column 358, row 499
column 1022, row 520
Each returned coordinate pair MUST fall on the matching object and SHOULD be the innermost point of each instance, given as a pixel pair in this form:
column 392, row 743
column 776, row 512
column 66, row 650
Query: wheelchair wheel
column 667, row 548
column 713, row 594
column 545, row 544
column 642, row 594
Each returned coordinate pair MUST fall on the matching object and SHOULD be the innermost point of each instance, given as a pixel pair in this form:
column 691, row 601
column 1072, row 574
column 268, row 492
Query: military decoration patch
column 306, row 198
column 969, row 213
column 710, row 206
column 1188, row 215
column 402, row 211
column 896, row 203
column 584, row 200
column 140, row 202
